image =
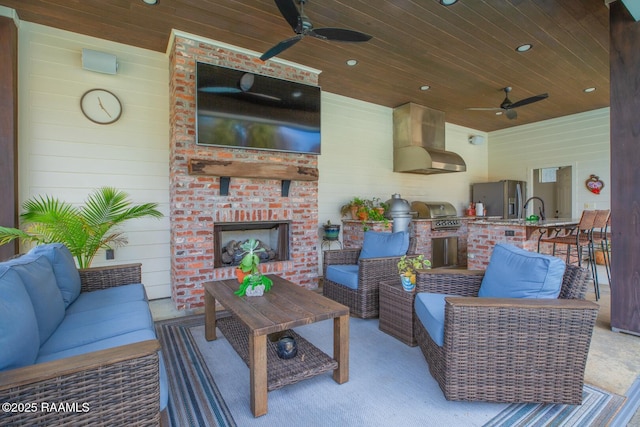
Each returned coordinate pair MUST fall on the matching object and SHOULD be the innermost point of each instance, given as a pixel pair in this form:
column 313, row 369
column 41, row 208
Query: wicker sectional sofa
column 77, row 347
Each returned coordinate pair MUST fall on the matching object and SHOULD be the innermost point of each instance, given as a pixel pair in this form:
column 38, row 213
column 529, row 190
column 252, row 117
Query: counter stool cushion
column 516, row 273
column 344, row 274
column 380, row 244
column 430, row 312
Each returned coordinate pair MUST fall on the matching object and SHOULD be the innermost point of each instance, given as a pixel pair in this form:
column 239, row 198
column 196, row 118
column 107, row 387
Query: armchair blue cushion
column 380, row 244
column 516, row 273
column 345, row 274
column 429, row 310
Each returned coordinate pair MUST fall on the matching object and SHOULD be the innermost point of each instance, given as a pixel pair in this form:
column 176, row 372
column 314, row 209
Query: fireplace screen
column 273, row 236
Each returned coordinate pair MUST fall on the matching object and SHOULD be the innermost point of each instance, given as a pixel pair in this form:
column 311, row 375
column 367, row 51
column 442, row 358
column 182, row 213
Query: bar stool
column 580, row 237
column 602, row 236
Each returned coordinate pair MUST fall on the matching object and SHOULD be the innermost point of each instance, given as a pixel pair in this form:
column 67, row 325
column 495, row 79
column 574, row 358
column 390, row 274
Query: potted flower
column 254, row 283
column 408, row 266
column 357, row 208
column 331, row 231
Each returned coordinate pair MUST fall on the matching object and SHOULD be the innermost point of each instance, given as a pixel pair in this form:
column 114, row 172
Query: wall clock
column 101, row 106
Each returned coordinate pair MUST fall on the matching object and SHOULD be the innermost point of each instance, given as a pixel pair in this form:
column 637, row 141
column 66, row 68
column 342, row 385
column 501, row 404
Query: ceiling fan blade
column 283, row 45
column 530, row 100
column 339, row 34
column 484, row 108
column 511, row 114
column 289, row 11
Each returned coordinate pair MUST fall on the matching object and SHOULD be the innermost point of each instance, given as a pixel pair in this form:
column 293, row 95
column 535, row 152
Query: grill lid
column 433, row 210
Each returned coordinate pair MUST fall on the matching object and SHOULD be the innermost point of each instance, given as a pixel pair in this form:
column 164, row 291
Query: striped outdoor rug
column 195, row 399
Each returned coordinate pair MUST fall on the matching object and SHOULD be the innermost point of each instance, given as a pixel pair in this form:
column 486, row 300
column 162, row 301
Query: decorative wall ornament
column 594, row 184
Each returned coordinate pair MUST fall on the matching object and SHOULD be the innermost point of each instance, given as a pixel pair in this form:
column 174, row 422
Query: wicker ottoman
column 396, row 311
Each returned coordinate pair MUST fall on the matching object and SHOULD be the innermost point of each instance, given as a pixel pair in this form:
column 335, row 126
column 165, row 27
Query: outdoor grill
column 443, row 214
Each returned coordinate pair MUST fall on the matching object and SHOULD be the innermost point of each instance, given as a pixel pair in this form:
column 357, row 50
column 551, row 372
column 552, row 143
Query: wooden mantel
column 264, row 170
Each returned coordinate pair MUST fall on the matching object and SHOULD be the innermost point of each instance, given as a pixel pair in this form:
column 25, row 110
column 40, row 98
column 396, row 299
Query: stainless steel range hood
column 418, row 142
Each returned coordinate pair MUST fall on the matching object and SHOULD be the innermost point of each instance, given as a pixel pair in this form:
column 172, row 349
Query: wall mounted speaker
column 476, row 139
column 99, row 62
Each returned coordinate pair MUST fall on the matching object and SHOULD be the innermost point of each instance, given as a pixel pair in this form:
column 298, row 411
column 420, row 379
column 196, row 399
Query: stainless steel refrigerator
column 503, row 198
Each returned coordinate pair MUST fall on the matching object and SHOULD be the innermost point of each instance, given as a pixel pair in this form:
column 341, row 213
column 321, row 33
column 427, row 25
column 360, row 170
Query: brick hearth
column 195, row 200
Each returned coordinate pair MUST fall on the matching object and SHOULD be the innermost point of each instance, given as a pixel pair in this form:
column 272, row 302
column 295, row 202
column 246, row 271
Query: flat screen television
column 245, row 110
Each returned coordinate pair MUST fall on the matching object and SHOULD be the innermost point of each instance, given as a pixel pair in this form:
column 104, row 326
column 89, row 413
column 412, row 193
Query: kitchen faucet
column 524, row 208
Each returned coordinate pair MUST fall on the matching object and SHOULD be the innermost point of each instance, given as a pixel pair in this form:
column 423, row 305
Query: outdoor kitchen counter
column 484, row 234
column 421, row 231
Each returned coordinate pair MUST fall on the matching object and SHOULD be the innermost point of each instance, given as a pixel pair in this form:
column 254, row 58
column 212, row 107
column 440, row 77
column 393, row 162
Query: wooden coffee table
column 284, row 307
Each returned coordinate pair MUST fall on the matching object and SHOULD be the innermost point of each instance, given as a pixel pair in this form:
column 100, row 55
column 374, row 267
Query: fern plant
column 84, row 230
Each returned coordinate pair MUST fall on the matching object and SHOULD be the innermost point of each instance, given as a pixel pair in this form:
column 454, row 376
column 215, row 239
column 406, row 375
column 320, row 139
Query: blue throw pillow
column 39, row 280
column 380, row 244
column 19, row 338
column 64, row 268
column 516, row 273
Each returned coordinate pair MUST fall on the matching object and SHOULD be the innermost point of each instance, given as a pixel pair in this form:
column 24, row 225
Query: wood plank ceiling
column 465, row 52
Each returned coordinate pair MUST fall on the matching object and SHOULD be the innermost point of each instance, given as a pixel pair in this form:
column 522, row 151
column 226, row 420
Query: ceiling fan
column 508, row 107
column 302, row 26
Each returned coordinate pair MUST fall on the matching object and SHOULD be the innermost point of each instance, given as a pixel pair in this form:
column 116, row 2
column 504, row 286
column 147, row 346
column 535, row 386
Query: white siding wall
column 357, row 159
column 580, row 140
column 63, row 154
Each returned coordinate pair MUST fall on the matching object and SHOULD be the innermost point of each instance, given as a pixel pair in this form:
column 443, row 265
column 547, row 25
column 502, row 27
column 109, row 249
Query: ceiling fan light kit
column 302, row 26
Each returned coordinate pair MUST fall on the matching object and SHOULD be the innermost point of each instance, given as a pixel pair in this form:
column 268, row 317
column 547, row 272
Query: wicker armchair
column 363, row 301
column 120, row 385
column 509, row 350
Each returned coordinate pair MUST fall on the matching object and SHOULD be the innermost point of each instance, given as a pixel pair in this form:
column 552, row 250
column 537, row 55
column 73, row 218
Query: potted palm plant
column 408, row 266
column 254, row 283
column 84, row 230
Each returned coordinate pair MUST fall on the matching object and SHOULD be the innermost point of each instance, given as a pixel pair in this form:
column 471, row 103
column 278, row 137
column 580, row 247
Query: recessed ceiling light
column 589, row 90
column 425, row 87
column 524, row 47
column 150, row 1
column 448, row 2
column 352, row 62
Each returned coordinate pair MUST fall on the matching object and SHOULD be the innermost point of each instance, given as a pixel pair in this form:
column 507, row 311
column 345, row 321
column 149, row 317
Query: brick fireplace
column 197, row 203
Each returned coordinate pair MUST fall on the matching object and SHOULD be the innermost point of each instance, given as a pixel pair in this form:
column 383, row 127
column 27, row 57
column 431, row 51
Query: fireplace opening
column 228, row 236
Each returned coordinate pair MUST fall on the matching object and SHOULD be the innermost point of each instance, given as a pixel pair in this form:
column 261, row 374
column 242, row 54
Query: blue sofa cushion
column 37, row 275
column 86, row 327
column 516, row 273
column 430, row 311
column 344, row 274
column 128, row 338
column 380, row 244
column 107, row 297
column 19, row 337
column 64, row 268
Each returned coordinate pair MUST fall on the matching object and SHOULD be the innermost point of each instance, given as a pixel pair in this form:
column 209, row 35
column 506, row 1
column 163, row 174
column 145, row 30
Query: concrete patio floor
column 613, row 363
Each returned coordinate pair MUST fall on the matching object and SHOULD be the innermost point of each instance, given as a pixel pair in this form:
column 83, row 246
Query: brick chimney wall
column 195, row 200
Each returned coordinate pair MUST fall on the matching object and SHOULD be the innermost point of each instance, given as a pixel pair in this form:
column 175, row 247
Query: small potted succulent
column 408, row 266
column 254, row 283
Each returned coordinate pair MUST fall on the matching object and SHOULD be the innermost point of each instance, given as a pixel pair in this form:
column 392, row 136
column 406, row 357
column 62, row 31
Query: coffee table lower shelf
column 309, row 362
